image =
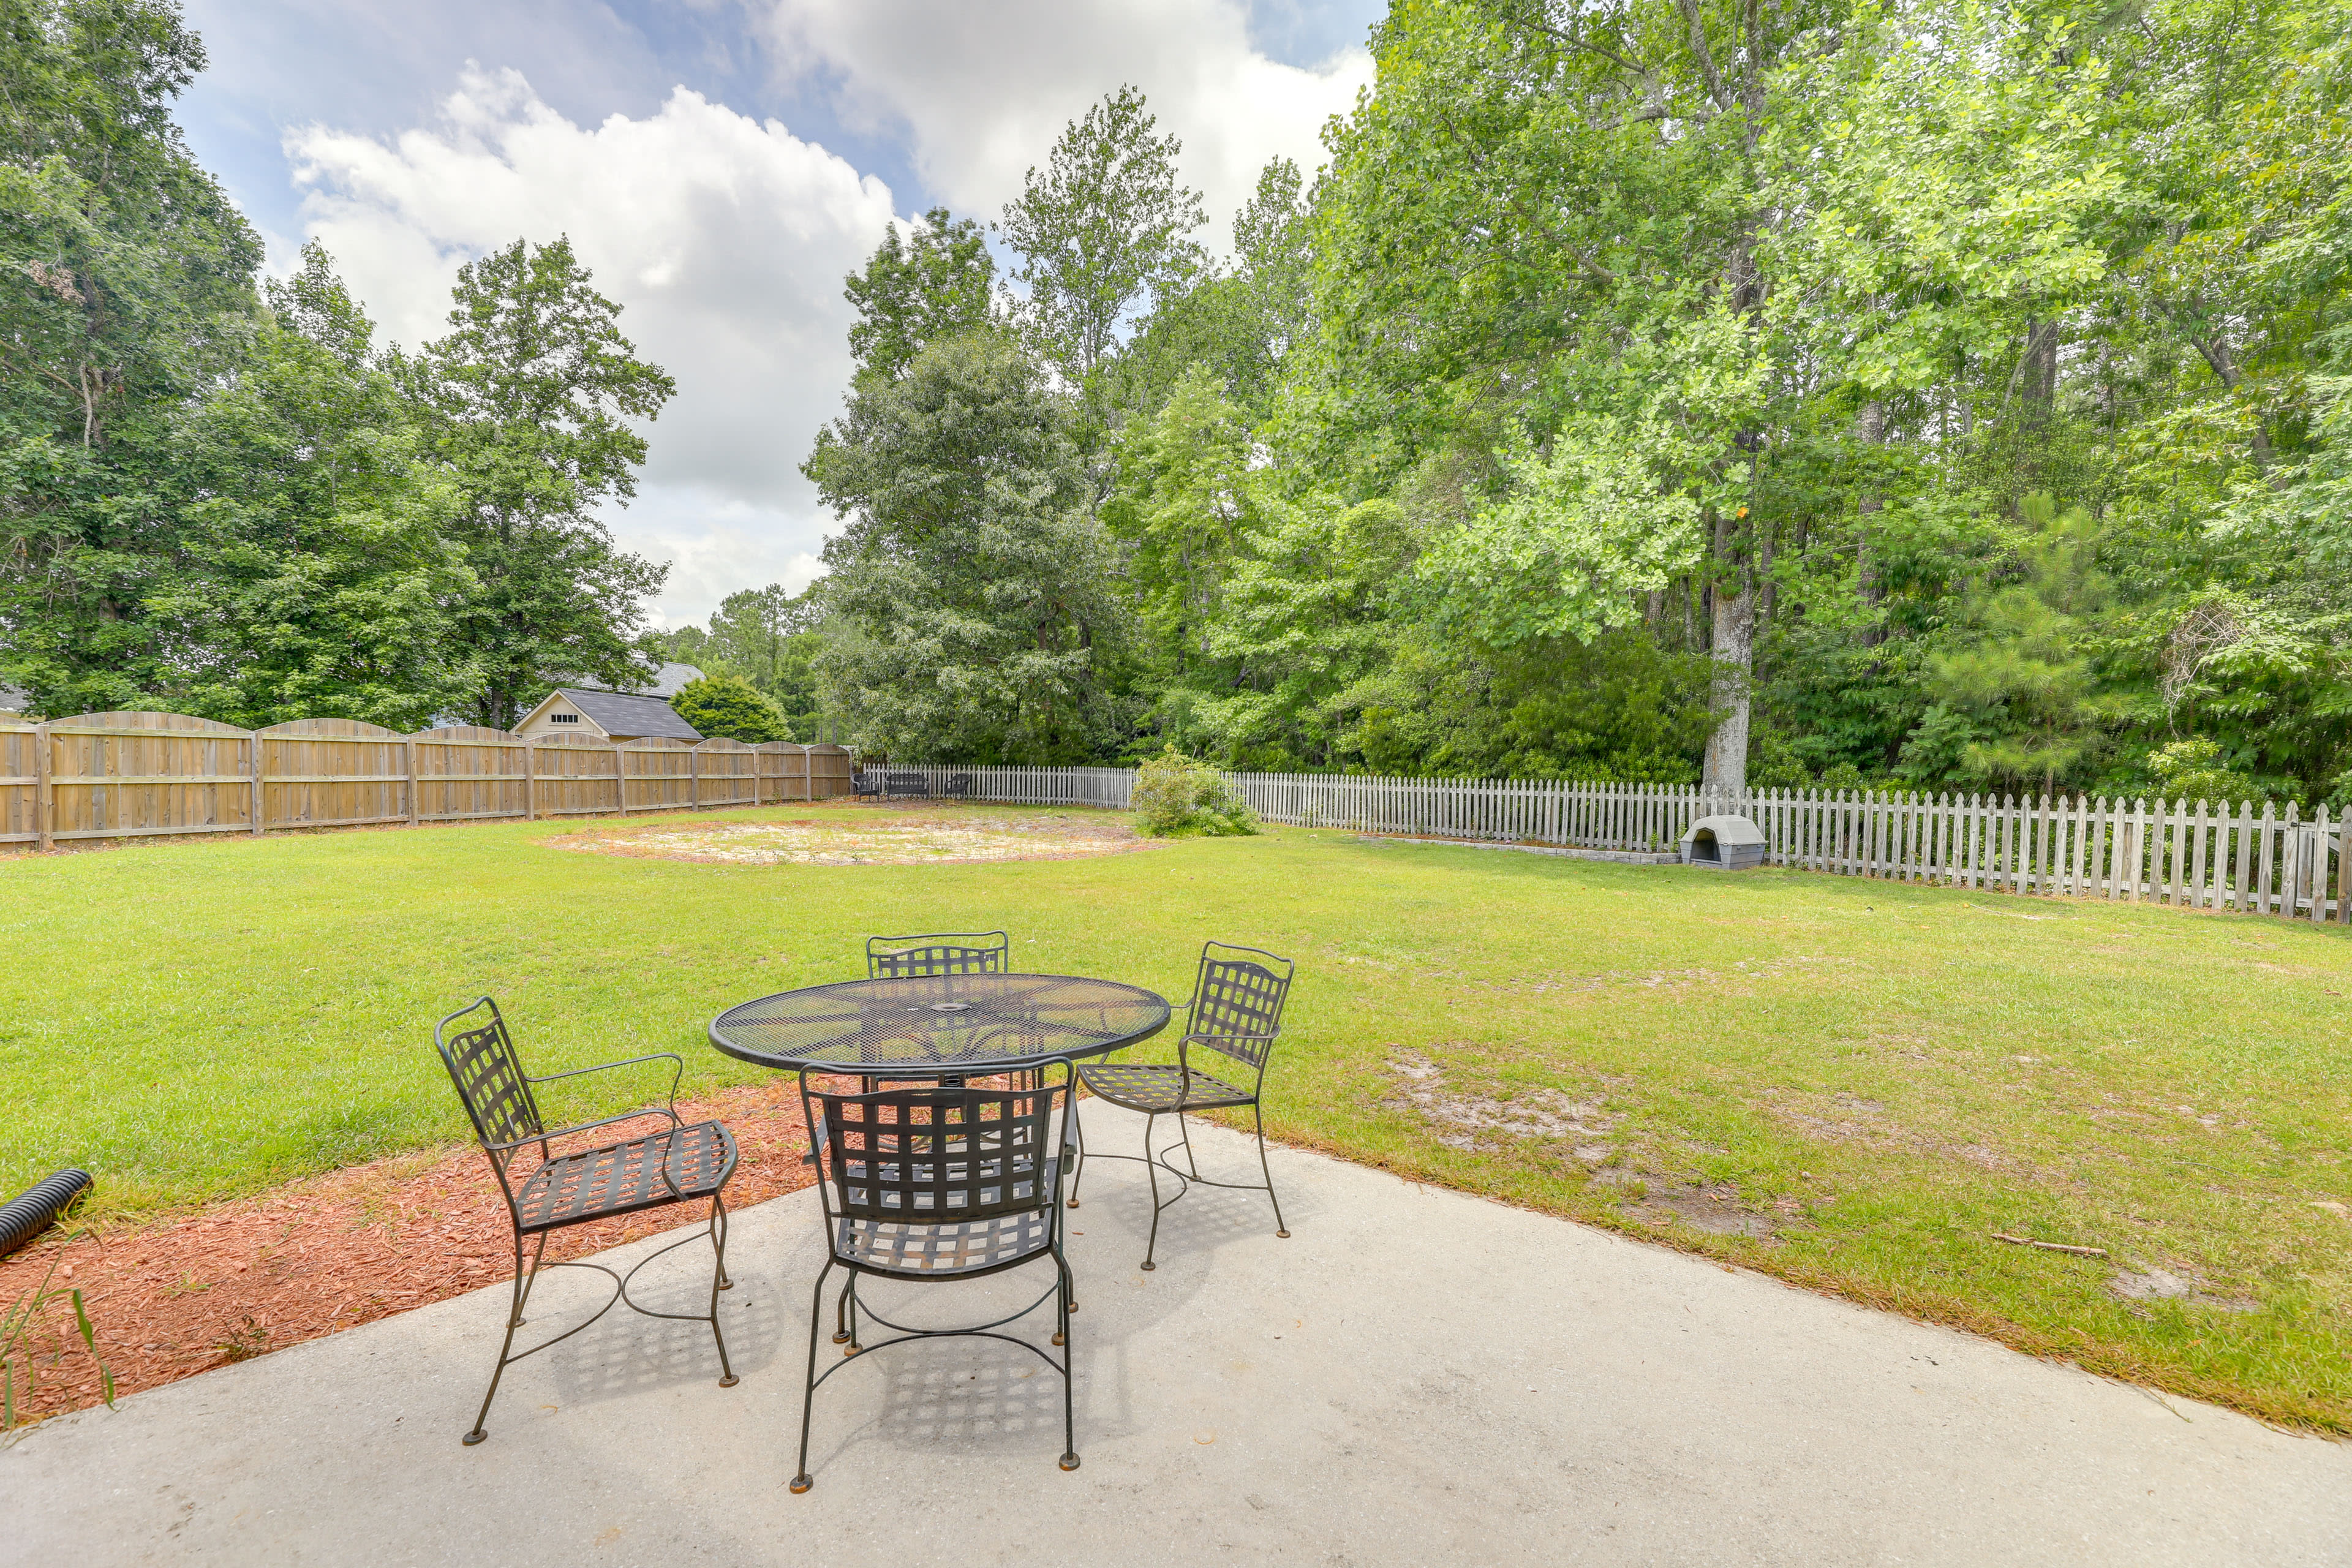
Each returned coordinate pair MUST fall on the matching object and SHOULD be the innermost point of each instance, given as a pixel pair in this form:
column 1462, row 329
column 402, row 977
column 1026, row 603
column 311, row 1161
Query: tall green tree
column 125, row 291
column 970, row 588
column 533, row 402
column 939, row 282
column 1105, row 226
column 319, row 579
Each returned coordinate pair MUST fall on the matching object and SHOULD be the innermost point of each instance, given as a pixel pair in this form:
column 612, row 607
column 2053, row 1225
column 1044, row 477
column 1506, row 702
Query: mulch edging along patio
column 181, row 1296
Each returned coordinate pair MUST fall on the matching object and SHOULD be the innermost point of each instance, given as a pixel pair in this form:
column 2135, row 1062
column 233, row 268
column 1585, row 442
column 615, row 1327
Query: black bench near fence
column 903, row 784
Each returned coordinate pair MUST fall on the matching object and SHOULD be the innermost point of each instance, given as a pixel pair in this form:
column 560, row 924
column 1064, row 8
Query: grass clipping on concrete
column 1851, row 1085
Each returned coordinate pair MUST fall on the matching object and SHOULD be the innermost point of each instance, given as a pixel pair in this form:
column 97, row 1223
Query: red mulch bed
column 181, row 1296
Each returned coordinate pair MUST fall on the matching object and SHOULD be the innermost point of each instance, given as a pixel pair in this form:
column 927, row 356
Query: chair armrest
column 552, row 1133
column 607, row 1067
column 676, row 1074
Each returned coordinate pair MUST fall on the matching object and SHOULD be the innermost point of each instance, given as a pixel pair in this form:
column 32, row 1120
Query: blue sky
column 721, row 163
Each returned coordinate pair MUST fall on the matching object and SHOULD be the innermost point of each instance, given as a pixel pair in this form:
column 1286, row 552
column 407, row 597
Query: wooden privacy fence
column 124, row 775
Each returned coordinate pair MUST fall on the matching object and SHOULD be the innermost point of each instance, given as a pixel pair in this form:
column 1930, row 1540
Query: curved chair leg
column 849, row 1295
column 841, row 1312
column 1062, row 1338
column 1077, row 1136
column 719, row 1281
column 1151, row 1169
column 801, row 1481
column 523, row 1280
column 1259, row 1115
column 719, row 1238
column 1186, row 1133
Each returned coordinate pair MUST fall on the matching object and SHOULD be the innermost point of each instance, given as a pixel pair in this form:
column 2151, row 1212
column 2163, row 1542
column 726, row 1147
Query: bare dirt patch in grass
column 181, row 1296
column 840, row 838
column 1464, row 1118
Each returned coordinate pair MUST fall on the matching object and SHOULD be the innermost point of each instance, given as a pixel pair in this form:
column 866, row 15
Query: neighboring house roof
column 670, row 679
column 12, row 701
column 667, row 681
column 629, row 712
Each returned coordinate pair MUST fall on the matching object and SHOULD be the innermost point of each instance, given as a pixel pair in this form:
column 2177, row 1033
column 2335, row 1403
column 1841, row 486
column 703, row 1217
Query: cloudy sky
column 721, row 164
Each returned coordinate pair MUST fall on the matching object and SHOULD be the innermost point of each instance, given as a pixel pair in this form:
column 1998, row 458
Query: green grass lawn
column 1849, row 1084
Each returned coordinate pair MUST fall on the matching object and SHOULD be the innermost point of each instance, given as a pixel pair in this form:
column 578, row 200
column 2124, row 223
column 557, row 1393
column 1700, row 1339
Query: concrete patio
column 1416, row 1376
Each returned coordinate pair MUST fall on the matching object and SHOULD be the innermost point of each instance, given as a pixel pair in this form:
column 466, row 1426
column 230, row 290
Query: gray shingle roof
column 626, row 713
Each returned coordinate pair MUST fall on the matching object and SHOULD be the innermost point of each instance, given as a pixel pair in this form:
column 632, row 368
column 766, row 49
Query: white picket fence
column 1026, row 786
column 2258, row 859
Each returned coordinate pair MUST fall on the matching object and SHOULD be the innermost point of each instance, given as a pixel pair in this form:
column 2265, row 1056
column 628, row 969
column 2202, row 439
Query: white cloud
column 982, row 91
column 725, row 239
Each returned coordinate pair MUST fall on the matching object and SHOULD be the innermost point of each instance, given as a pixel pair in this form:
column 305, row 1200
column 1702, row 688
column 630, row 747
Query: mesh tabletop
column 960, row 1023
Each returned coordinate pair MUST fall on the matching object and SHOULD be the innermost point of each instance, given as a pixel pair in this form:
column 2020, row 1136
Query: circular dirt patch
column 863, row 840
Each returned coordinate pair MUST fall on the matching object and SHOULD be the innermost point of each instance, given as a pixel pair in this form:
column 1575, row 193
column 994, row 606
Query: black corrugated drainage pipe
column 26, row 1217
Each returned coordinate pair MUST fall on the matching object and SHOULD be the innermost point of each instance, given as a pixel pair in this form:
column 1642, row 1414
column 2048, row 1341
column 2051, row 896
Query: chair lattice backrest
column 1237, row 1001
column 940, row 1156
column 489, row 1076
column 947, row 952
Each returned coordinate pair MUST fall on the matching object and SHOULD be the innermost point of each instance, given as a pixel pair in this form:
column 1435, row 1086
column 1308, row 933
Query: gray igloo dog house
column 1723, row 844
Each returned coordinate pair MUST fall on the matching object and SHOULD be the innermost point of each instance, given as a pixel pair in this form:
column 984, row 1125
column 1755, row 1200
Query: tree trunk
column 2040, row 370
column 1734, row 652
column 1871, row 425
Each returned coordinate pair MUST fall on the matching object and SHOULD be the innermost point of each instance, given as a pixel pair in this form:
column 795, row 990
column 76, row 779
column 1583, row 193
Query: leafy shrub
column 2194, row 769
column 730, row 706
column 1177, row 797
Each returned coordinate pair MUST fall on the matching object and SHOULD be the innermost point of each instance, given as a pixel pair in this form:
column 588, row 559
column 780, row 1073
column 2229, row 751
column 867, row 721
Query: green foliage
column 22, row 1354
column 2195, row 769
column 729, row 706
column 2026, row 677
column 1176, row 796
column 1104, row 225
column 940, row 283
column 969, row 589
column 534, row 402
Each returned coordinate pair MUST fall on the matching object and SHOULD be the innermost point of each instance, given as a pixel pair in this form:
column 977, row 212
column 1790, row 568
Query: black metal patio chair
column 681, row 1164
column 942, row 952
column 869, row 784
column 936, row 1183
column 1237, row 1012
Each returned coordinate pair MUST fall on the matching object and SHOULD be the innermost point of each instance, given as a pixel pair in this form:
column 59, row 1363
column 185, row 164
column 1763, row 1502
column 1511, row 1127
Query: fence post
column 45, row 811
column 694, row 780
column 254, row 768
column 620, row 781
column 529, row 780
column 411, row 749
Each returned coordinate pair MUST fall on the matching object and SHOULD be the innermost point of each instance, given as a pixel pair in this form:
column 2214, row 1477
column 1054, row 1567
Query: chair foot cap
column 1149, row 1266
column 1060, row 1340
column 851, row 1350
column 1069, row 1461
column 729, row 1380
column 1284, row 1234
column 1073, row 1203
column 727, row 1284
column 476, row 1436
column 841, row 1339
column 801, row 1483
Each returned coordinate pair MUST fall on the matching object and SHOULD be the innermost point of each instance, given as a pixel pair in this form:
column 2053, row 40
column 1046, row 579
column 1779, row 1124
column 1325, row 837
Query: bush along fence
column 2254, row 859
column 128, row 775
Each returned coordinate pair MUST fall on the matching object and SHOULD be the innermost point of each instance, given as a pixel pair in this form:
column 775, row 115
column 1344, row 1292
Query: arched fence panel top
column 722, row 743
column 470, row 734
column 132, row 721
column 329, row 730
column 573, row 742
column 783, row 748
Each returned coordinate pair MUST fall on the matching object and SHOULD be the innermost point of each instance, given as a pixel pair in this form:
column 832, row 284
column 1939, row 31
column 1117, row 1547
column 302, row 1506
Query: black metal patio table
column 945, row 1026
